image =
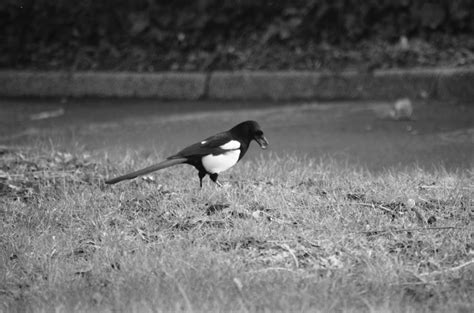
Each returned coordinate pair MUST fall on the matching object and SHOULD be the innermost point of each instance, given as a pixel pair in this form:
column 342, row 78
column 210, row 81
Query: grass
column 286, row 234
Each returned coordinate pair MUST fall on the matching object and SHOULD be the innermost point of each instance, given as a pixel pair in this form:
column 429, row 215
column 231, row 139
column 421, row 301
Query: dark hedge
column 109, row 31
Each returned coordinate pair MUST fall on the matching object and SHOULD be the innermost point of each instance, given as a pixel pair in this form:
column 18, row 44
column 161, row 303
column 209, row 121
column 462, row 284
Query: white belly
column 219, row 163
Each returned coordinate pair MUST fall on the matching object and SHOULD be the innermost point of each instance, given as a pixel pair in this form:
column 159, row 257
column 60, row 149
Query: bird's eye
column 259, row 133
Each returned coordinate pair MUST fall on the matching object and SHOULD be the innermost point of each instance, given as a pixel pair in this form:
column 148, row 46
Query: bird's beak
column 262, row 141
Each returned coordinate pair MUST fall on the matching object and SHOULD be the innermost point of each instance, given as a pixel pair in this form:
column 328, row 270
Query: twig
column 56, row 173
column 449, row 270
column 275, row 219
column 399, row 230
column 381, row 207
column 386, row 209
column 287, row 248
column 410, row 284
column 273, row 269
column 445, row 187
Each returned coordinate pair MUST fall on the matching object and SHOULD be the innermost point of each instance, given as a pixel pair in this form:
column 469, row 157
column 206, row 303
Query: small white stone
column 403, row 108
column 410, row 203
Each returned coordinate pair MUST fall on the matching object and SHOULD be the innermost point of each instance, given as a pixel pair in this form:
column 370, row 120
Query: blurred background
column 142, row 36
column 157, row 35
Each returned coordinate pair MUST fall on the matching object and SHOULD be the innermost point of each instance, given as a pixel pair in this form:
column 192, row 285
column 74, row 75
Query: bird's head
column 250, row 130
column 260, row 139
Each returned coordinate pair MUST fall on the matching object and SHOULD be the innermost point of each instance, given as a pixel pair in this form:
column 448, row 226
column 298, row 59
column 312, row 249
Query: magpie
column 212, row 155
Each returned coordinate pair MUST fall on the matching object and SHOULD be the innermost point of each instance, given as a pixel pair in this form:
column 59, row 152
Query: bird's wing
column 211, row 145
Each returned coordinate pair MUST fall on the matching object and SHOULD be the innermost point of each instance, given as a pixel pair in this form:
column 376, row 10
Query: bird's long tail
column 146, row 170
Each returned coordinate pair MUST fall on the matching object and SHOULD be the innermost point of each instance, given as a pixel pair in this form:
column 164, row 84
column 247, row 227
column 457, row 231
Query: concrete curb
column 445, row 84
column 170, row 85
column 435, row 83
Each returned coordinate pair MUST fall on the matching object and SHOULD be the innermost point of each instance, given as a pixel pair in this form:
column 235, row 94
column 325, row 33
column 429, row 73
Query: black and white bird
column 211, row 156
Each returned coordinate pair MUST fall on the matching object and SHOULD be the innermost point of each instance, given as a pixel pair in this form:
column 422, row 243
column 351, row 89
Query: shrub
column 59, row 27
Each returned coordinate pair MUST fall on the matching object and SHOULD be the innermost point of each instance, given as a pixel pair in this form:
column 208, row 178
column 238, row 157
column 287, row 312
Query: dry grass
column 288, row 234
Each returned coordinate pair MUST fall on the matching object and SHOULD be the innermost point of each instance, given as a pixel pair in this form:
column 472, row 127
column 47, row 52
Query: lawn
column 286, row 233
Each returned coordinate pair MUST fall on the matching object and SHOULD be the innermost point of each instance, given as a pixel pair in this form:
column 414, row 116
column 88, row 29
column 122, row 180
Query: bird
column 212, row 155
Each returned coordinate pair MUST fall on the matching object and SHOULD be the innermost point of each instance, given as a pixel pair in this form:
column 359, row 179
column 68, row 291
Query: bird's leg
column 201, row 176
column 214, row 179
